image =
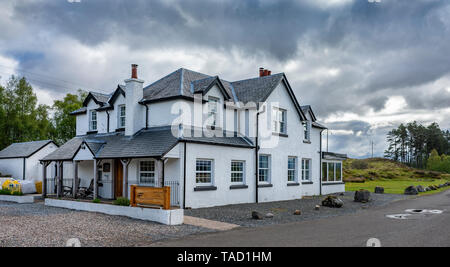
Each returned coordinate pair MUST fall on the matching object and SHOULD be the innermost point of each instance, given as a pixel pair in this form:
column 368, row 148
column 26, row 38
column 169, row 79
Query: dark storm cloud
column 271, row 27
column 375, row 50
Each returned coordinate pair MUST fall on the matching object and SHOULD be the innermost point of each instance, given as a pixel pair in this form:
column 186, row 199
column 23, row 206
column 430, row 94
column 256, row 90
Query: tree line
column 412, row 143
column 22, row 119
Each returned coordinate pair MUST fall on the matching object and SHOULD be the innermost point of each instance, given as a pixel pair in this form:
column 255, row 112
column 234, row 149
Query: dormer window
column 307, row 131
column 122, row 118
column 93, row 120
column 279, row 121
column 213, row 104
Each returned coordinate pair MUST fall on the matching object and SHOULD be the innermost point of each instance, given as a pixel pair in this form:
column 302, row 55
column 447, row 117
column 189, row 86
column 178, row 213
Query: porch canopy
column 154, row 143
column 150, row 143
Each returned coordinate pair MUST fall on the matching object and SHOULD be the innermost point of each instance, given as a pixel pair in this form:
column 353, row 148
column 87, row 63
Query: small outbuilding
column 20, row 161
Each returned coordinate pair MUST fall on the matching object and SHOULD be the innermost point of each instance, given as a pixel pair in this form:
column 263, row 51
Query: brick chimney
column 263, row 72
column 134, row 92
column 134, row 71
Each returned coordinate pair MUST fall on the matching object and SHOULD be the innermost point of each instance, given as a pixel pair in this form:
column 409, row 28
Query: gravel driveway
column 283, row 211
column 38, row 225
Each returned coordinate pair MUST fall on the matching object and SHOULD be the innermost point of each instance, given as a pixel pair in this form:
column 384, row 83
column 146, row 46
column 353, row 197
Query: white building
column 212, row 141
column 21, row 160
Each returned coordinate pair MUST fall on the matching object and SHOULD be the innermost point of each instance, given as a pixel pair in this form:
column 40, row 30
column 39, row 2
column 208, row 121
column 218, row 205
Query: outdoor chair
column 85, row 192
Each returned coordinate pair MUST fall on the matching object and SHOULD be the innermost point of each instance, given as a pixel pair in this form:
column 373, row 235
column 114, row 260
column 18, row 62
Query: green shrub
column 17, row 193
column 121, row 201
column 96, row 200
column 5, row 192
column 360, row 164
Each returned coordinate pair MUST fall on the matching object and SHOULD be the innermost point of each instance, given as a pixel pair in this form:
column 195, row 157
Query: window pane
column 263, row 161
column 203, row 178
column 338, row 172
column 264, row 175
column 147, row 178
column 331, row 172
column 324, row 171
column 147, row 166
column 203, row 166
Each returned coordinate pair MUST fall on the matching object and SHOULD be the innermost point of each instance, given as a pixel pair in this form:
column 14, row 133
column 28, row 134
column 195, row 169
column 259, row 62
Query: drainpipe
column 320, row 163
column 24, row 166
column 107, row 127
column 184, row 177
column 257, row 153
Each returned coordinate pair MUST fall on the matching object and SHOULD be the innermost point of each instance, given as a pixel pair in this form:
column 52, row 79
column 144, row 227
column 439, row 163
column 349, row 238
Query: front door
column 118, row 179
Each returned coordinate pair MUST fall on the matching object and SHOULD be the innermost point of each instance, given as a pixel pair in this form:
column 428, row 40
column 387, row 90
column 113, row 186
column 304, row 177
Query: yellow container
column 12, row 186
column 39, row 187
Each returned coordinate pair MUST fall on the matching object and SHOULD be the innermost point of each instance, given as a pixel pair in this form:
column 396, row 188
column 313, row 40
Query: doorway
column 118, row 179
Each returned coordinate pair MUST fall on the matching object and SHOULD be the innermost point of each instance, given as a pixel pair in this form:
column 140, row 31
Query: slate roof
column 334, row 156
column 151, row 143
column 23, row 150
column 256, row 89
column 100, row 97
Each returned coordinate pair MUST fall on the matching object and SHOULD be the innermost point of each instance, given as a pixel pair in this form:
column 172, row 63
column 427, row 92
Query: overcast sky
column 364, row 67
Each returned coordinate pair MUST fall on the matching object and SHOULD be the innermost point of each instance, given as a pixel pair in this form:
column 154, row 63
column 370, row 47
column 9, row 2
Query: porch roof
column 151, row 143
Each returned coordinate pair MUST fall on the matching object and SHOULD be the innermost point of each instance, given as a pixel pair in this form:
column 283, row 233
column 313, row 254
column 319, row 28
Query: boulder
column 432, row 187
column 317, row 207
column 269, row 215
column 420, row 189
column 441, row 186
column 332, row 202
column 427, row 189
column 411, row 190
column 379, row 190
column 298, row 212
column 256, row 215
column 362, row 196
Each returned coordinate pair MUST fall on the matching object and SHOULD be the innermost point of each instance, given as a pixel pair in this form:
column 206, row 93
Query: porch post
column 160, row 169
column 95, row 179
column 75, row 179
column 44, row 178
column 125, row 163
column 60, row 178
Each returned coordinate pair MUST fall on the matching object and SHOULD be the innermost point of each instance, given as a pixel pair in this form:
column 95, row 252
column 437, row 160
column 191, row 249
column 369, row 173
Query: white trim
column 91, row 121
column 269, row 169
column 119, row 116
column 276, row 122
column 211, row 172
column 296, row 167
column 154, row 172
column 309, row 170
column 334, row 162
column 243, row 172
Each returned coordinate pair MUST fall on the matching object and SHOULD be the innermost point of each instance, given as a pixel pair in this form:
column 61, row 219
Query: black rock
column 420, row 189
column 411, row 190
column 332, row 202
column 362, row 196
column 379, row 190
column 256, row 215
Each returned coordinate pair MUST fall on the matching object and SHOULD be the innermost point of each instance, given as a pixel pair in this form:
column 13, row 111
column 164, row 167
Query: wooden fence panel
column 150, row 196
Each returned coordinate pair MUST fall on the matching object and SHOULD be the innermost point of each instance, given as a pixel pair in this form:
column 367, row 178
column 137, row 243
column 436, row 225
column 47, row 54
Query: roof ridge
column 273, row 75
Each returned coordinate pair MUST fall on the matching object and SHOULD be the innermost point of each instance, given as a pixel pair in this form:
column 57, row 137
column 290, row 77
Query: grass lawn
column 396, row 186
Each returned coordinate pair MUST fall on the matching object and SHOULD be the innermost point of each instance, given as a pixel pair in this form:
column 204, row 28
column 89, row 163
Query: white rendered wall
column 33, row 166
column 222, row 157
column 13, row 167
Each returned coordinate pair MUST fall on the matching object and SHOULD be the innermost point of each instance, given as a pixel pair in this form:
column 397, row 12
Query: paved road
column 349, row 230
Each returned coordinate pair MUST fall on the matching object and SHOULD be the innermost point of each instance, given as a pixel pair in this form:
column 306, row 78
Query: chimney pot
column 134, row 71
column 266, row 72
column 261, row 72
column 269, row 73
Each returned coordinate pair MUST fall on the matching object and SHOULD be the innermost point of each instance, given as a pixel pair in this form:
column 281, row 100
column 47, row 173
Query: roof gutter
column 320, row 163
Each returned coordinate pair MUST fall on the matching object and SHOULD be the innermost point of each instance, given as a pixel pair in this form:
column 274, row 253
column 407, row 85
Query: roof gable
column 24, row 150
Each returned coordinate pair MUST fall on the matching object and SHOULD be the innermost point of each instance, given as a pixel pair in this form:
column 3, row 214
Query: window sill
column 242, row 186
column 265, row 185
column 120, row 130
column 333, row 183
column 205, row 188
column 280, row 134
column 307, row 183
column 306, row 142
column 293, row 184
column 92, row 132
